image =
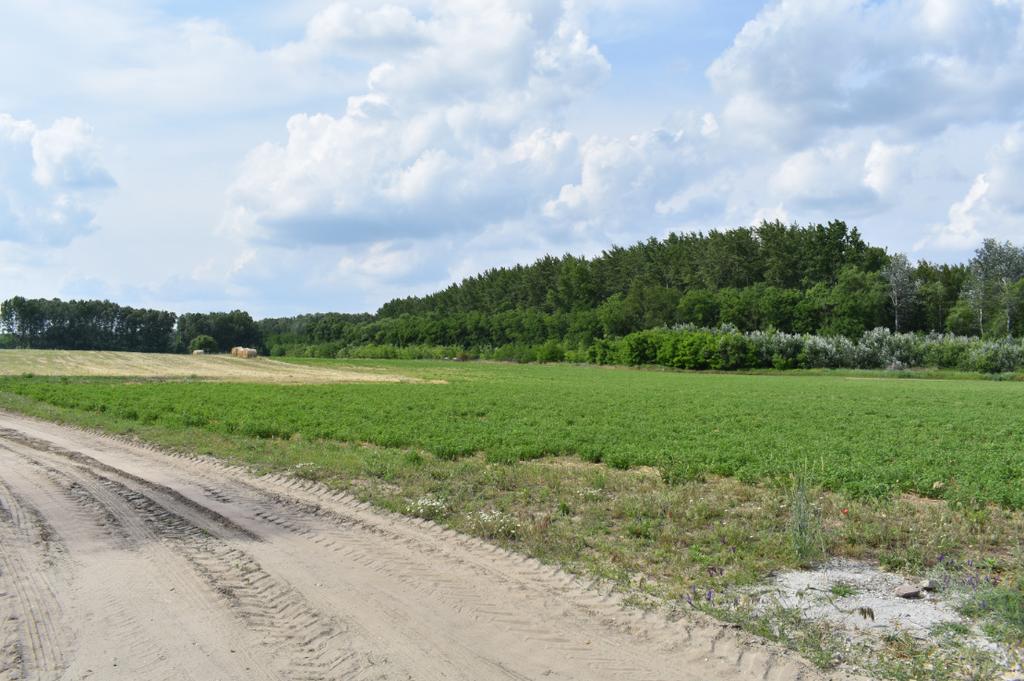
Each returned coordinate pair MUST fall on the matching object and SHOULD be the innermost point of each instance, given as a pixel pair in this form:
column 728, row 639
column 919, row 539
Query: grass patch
column 843, row 590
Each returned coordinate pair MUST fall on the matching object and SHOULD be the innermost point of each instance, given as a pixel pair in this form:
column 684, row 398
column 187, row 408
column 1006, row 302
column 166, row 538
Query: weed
column 806, row 531
column 494, row 524
column 1000, row 607
column 951, row 630
column 428, row 507
column 843, row 590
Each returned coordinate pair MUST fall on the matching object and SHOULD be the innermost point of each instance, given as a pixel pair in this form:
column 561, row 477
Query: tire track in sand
column 304, row 644
column 32, row 637
column 344, row 591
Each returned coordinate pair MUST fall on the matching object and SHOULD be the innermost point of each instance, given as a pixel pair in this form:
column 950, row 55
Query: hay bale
column 199, row 352
column 244, row 353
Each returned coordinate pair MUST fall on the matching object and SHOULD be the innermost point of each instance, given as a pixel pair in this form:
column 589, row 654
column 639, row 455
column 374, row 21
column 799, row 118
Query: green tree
column 204, row 343
column 899, row 276
column 698, row 306
column 856, row 303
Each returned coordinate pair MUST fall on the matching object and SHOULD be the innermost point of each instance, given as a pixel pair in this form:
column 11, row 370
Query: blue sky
column 320, row 155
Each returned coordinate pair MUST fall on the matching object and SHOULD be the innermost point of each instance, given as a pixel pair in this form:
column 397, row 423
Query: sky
column 309, row 156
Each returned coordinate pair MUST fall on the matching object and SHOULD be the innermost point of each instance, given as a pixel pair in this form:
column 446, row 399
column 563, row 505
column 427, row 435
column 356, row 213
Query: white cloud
column 828, row 174
column 428, row 139
column 886, row 166
column 709, row 125
column 454, row 133
column 993, row 206
column 622, row 181
column 48, row 179
column 850, row 177
column 824, row 108
column 65, row 155
column 804, row 67
column 345, row 28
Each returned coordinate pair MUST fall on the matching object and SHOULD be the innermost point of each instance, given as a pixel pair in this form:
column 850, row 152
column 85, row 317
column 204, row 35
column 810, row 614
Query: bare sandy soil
column 122, row 562
column 208, row 367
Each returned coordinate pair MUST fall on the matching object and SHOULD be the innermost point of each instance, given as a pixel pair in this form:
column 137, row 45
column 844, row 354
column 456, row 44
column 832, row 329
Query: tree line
column 102, row 325
column 820, row 279
column 85, row 325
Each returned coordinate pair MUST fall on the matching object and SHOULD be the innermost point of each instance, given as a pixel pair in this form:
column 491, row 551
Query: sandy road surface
column 121, row 562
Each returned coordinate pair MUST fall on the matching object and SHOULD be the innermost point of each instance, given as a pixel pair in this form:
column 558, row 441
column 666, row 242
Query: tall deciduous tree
column 995, row 268
column 899, row 275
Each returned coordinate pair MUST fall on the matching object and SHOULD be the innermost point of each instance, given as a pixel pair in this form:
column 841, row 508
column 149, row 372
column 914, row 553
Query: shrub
column 827, row 352
column 880, row 348
column 724, row 348
column 734, row 351
column 204, row 343
column 551, row 351
column 608, row 351
column 946, row 351
column 776, row 349
column 514, row 352
column 996, row 357
column 696, row 350
column 642, row 347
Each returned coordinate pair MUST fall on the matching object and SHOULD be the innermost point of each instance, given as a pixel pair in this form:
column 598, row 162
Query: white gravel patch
column 874, row 607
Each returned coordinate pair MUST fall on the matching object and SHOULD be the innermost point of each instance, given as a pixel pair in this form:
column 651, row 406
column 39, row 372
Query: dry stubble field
column 197, row 367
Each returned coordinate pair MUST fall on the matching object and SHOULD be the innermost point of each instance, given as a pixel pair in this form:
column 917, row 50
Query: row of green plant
column 721, row 349
column 696, row 544
column 958, row 440
column 727, row 349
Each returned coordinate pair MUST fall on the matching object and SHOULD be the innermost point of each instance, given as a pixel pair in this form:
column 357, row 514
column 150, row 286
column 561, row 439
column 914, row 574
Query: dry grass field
column 223, row 368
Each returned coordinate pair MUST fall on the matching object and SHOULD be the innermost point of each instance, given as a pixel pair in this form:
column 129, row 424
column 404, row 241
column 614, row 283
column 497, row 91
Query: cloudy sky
column 318, row 155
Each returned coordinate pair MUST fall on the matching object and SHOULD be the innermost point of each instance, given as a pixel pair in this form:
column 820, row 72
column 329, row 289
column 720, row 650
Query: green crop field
column 863, row 436
column 682, row 488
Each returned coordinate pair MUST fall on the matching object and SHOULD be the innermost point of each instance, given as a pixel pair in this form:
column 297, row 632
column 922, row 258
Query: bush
column 821, row 352
column 642, row 347
column 996, row 357
column 946, row 351
column 724, row 348
column 881, row 349
column 734, row 351
column 551, row 351
column 776, row 350
column 514, row 352
column 204, row 343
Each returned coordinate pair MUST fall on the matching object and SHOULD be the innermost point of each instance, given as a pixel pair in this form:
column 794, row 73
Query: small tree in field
column 902, row 286
column 204, row 343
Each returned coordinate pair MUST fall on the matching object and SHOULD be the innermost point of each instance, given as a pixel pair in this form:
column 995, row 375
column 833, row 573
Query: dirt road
column 121, row 562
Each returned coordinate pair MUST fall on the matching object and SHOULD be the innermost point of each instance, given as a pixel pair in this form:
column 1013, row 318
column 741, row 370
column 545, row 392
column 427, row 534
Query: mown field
column 102, row 363
column 681, row 488
column 863, row 436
